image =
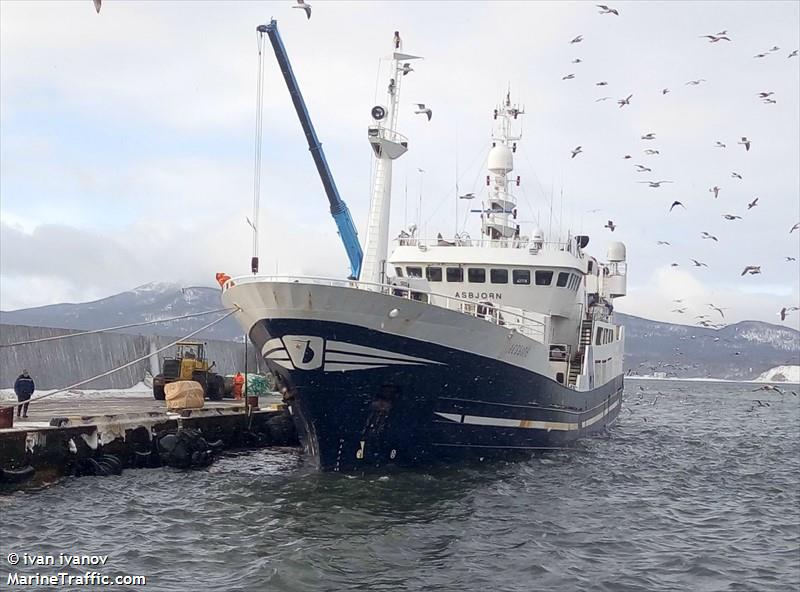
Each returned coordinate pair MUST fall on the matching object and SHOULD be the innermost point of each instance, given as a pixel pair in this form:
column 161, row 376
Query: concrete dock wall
column 60, row 363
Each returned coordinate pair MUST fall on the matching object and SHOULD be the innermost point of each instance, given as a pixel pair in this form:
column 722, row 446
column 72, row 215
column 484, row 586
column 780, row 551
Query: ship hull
column 361, row 397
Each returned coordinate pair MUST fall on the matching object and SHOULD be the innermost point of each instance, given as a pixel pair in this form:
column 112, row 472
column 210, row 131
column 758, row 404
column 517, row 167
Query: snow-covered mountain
column 149, row 302
column 741, row 351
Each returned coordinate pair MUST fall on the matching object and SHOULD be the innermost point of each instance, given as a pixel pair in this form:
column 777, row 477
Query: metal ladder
column 576, row 364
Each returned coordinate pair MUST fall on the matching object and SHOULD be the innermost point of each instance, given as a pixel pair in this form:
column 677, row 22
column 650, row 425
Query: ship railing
column 466, row 241
column 512, row 318
column 384, row 133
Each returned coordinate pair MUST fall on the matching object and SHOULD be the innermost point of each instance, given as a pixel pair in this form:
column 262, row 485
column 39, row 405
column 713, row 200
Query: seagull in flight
column 769, row 101
column 663, row 243
column 719, row 144
column 467, row 196
column 752, row 204
column 711, row 236
column 610, row 225
column 760, row 55
column 568, row 77
column 422, row 109
column 650, row 152
column 793, row 228
column 606, row 10
column 715, row 190
column 626, row 157
column 97, row 5
column 654, row 183
column 601, row 83
column 625, row 101
column 302, row 4
column 793, row 54
column 718, row 309
column 791, row 258
column 643, row 169
column 649, row 136
column 398, row 43
column 577, row 39
column 577, row 150
column 715, row 38
column 731, row 217
column 698, row 263
column 577, row 61
column 676, row 203
column 764, row 95
column 407, row 68
column 745, row 142
column 664, row 91
column 736, row 175
column 752, row 270
column 696, row 82
column 786, row 310
column 601, row 99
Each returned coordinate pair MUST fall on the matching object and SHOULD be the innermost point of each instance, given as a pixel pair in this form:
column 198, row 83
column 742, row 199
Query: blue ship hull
column 363, row 398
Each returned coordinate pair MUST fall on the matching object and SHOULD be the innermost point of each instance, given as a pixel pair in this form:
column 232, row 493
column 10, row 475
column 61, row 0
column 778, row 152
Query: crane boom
column 339, row 210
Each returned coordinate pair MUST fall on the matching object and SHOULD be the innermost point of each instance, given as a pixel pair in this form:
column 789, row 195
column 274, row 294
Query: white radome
column 500, row 160
column 616, row 252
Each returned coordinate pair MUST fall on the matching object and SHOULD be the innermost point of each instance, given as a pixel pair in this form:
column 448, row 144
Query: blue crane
column 339, row 211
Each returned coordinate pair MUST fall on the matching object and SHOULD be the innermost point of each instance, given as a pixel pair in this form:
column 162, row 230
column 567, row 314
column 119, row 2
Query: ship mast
column 498, row 221
column 387, row 145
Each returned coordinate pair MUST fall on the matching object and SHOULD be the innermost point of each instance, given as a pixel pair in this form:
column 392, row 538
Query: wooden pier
column 96, row 434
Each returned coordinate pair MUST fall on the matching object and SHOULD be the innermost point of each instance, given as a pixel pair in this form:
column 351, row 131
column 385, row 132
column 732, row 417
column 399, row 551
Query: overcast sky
column 126, row 145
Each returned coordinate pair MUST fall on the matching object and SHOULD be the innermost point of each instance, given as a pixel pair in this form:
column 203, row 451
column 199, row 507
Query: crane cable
column 136, row 361
column 78, row 334
column 258, row 135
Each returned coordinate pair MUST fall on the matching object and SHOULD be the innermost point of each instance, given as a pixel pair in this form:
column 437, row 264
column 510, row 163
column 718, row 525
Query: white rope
column 68, row 335
column 136, row 361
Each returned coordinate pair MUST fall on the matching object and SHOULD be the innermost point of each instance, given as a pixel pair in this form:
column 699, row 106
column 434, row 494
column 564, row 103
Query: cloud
column 655, row 298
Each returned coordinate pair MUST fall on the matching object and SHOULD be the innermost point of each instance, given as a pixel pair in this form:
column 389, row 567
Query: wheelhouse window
column 455, row 274
column 476, row 275
column 414, row 272
column 521, row 277
column 498, row 276
column 544, row 277
column 563, row 278
column 433, row 274
column 398, row 271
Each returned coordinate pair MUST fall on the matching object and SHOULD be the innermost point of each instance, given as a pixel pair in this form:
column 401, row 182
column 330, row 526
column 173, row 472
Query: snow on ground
column 781, row 374
column 136, row 390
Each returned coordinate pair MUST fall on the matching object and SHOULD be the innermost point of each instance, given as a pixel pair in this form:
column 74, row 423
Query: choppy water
column 697, row 488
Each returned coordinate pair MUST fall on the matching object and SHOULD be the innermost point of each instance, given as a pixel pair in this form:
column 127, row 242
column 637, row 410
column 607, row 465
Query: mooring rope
column 68, row 335
column 136, row 361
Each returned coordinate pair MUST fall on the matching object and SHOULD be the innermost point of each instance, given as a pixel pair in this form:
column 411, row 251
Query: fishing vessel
column 446, row 348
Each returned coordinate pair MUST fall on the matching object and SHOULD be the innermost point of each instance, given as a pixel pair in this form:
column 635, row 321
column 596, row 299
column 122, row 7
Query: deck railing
column 466, row 241
column 515, row 319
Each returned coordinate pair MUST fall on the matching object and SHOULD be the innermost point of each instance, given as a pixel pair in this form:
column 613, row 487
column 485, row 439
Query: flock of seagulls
column 767, row 97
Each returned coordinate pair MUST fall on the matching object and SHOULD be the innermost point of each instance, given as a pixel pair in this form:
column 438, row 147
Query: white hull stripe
column 526, row 423
column 333, row 356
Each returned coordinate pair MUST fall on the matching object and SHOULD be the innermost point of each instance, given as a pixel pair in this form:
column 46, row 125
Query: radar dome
column 500, row 159
column 616, row 252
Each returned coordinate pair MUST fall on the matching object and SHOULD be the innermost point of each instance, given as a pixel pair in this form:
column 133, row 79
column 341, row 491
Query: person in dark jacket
column 23, row 387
